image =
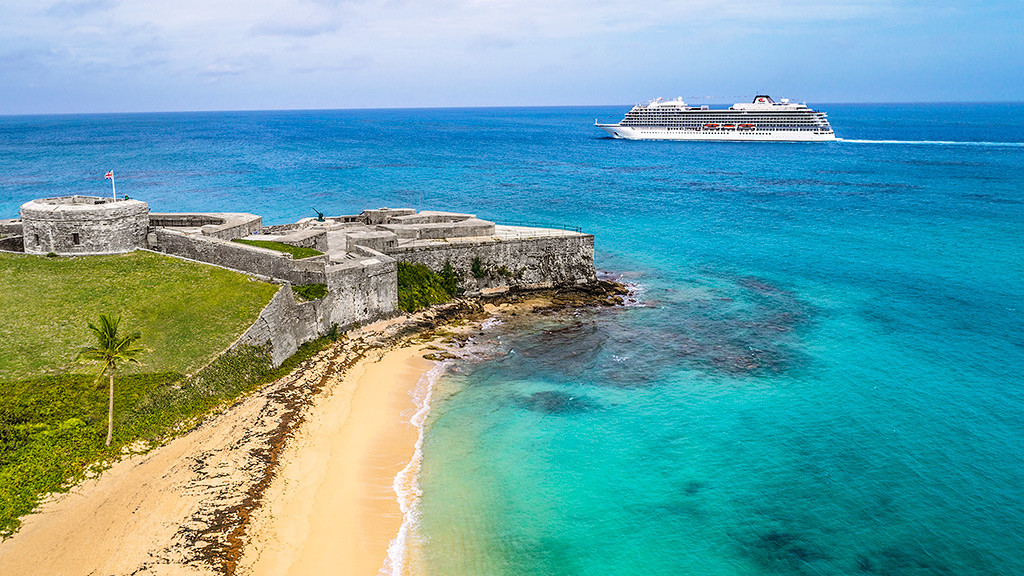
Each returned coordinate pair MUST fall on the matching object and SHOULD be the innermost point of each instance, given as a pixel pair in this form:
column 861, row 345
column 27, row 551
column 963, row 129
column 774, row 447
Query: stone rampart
column 530, row 262
column 10, row 227
column 84, row 225
column 284, row 325
column 12, row 243
column 250, row 259
column 223, row 225
column 363, row 290
column 379, row 240
column 312, row 238
column 428, row 217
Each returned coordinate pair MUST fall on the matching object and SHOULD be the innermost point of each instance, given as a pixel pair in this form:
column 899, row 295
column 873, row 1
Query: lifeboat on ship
column 711, row 125
column 746, row 126
column 729, row 126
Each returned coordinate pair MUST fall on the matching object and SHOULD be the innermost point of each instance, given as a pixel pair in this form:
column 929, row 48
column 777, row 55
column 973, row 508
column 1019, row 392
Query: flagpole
column 113, row 189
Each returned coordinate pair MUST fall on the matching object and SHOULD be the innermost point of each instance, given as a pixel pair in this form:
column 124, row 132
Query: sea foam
column 406, row 483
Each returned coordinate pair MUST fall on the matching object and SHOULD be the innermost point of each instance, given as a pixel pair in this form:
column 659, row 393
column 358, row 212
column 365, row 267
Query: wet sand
column 331, row 507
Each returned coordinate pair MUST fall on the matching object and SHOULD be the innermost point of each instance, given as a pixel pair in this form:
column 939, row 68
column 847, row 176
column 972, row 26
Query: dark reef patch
column 900, row 560
column 784, row 552
column 745, row 326
column 693, row 487
column 556, row 402
column 569, row 349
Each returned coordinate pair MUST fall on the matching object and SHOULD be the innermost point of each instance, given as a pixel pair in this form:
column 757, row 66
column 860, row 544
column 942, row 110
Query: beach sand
column 331, row 507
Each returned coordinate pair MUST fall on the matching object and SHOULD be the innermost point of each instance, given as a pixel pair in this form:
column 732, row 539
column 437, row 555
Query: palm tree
column 110, row 351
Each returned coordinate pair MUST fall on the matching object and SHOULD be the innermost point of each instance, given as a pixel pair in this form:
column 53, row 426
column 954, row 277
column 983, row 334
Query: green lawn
column 297, row 252
column 187, row 312
column 53, row 413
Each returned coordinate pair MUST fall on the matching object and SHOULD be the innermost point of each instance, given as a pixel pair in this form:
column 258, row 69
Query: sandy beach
column 331, row 507
column 298, row 476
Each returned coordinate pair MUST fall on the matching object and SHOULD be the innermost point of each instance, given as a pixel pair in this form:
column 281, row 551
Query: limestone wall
column 315, row 239
column 12, row 243
column 84, row 225
column 261, row 261
column 530, row 262
column 359, row 291
column 284, row 325
column 363, row 289
column 10, row 227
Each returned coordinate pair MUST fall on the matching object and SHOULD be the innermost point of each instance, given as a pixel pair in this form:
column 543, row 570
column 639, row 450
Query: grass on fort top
column 187, row 312
column 297, row 252
column 53, row 412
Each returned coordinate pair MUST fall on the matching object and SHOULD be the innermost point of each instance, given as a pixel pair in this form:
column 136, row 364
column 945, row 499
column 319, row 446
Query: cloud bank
column 129, row 55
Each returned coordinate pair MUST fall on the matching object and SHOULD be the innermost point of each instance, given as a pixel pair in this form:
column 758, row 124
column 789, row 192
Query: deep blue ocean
column 823, row 373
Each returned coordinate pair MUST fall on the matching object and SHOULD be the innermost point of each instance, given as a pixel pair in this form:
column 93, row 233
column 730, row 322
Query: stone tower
column 72, row 225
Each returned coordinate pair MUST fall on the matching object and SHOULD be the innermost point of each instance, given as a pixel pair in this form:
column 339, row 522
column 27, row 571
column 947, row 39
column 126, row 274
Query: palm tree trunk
column 110, row 411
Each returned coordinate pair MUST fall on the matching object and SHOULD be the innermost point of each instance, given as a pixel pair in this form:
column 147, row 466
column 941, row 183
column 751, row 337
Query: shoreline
column 332, row 501
column 189, row 505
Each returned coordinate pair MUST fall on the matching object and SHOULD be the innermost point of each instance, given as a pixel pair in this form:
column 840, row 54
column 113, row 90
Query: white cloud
column 337, row 46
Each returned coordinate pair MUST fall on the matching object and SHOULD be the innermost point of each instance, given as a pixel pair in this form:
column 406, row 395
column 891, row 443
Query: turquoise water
column 823, row 375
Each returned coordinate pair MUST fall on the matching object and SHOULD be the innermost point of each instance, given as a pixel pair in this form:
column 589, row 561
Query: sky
column 73, row 56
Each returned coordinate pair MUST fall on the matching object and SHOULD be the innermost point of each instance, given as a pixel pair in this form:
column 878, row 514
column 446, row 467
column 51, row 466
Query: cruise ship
column 762, row 120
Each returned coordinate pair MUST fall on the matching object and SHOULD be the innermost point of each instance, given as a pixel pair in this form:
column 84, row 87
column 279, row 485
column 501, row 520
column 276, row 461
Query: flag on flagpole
column 109, row 175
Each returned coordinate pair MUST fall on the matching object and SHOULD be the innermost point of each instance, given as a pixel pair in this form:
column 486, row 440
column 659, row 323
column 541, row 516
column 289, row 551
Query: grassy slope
column 187, row 312
column 53, row 420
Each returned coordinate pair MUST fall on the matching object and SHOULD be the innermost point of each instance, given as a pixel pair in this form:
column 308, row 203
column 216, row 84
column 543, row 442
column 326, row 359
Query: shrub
column 449, row 279
column 478, row 269
column 419, row 287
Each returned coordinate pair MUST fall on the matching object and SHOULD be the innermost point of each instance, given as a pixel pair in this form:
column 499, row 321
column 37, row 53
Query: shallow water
column 823, row 376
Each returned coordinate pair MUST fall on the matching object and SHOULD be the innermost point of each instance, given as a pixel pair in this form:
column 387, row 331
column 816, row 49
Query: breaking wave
column 407, row 481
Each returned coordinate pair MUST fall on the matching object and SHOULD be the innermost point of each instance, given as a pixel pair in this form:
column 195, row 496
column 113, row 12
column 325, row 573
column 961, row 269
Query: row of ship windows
column 759, row 125
column 720, row 114
column 737, row 118
column 750, row 131
column 774, row 121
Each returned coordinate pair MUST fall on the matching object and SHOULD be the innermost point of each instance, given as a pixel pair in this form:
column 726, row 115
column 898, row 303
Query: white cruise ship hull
column 653, row 133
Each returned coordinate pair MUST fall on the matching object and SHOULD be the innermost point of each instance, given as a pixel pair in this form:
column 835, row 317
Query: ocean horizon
column 819, row 371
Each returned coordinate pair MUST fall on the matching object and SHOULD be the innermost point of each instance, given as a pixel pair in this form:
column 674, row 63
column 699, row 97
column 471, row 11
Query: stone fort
column 356, row 255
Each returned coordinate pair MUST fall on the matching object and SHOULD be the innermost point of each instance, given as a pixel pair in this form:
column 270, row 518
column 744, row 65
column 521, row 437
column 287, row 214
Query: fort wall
column 73, row 225
column 359, row 264
column 537, row 262
column 260, row 261
column 357, row 292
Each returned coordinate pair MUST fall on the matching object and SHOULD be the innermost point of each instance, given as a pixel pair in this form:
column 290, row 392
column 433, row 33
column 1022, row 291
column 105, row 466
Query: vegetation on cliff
column 306, row 292
column 419, row 287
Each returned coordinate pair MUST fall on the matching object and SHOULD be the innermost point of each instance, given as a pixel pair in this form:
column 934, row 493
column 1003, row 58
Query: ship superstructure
column 762, row 119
